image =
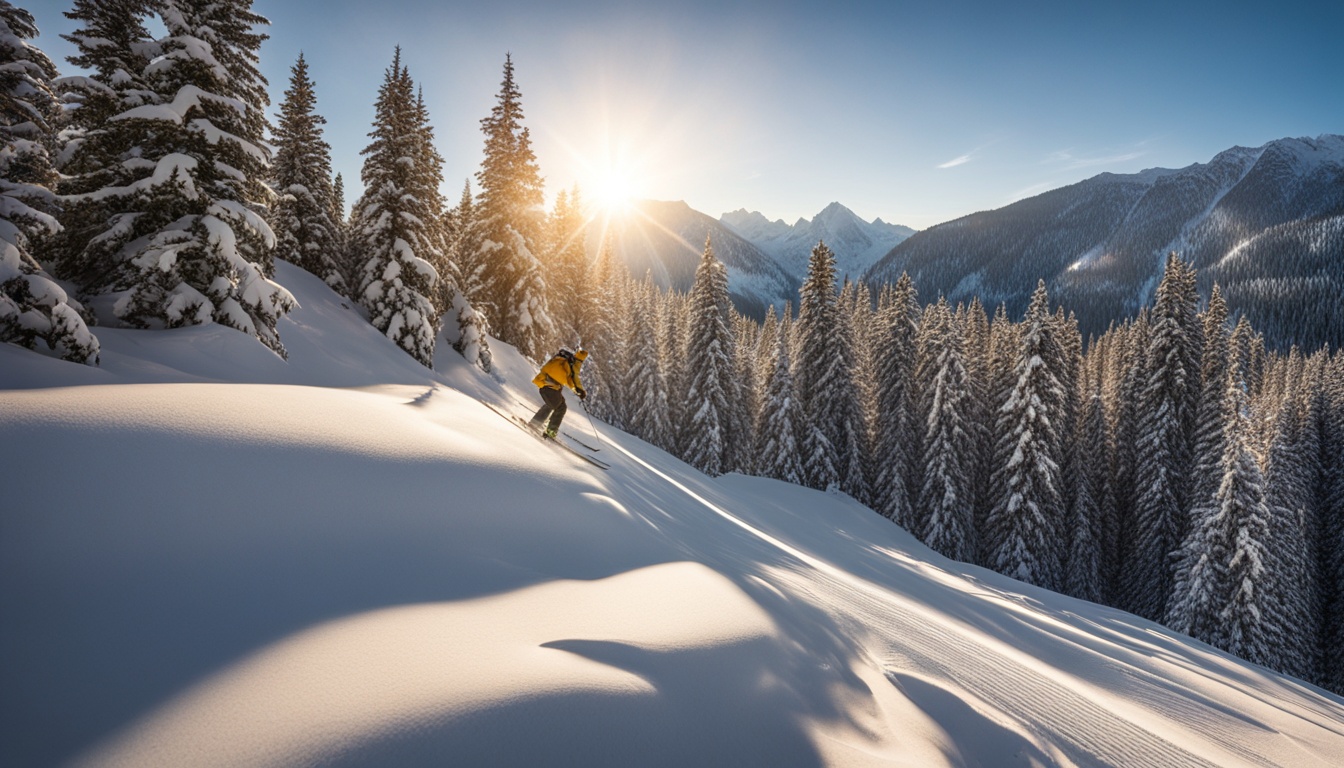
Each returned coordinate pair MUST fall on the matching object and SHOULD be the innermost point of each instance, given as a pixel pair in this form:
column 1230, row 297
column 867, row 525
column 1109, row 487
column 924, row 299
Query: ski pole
column 584, row 402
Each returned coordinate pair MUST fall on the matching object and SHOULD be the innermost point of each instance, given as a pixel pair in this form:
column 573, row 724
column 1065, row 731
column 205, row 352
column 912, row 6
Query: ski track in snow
column 996, row 678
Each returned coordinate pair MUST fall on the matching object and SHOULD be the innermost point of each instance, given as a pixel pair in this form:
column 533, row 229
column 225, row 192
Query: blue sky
column 913, row 112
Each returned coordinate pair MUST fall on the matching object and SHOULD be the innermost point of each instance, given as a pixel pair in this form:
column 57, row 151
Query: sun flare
column 611, row 190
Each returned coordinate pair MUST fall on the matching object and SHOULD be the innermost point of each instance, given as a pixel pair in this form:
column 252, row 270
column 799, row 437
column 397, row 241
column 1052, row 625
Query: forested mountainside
column 1267, row 224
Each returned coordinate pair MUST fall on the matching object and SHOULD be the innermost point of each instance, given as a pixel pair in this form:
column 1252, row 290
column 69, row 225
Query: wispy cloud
column 954, row 162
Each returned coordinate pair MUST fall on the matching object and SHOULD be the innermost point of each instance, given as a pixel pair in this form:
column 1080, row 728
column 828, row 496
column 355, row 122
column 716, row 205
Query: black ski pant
column 553, row 405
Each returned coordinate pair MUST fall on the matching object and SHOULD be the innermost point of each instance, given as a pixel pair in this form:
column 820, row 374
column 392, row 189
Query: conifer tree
column 824, row 376
column 510, row 219
column 567, row 268
column 851, row 437
column 1163, row 445
column 743, row 394
column 305, row 231
column 944, row 504
column 980, row 419
column 644, row 383
column 390, row 226
column 428, row 176
column 1289, row 610
column 466, row 326
column 779, row 416
column 114, row 47
column 338, row 201
column 1237, row 590
column 161, row 202
column 710, row 341
column 1001, row 378
column 32, row 306
column 894, row 427
column 673, row 349
column 1211, row 420
column 603, row 344
column 1025, row 523
column 1085, row 525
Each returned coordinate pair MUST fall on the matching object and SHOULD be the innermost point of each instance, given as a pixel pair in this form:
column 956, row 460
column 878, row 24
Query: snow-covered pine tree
column 567, row 269
column 1004, row 342
column 858, row 302
column 429, row 178
column 779, row 416
column 1234, row 587
column 746, row 338
column 161, row 200
column 337, row 212
column 672, row 350
column 1131, row 371
column 391, row 227
column 1290, row 612
column 510, row 217
column 944, row 511
column 763, row 364
column 824, row 377
column 619, row 298
column 1210, row 414
column 709, row 368
column 32, row 306
column 980, row 420
column 1161, row 518
column 114, row 46
column 1024, row 525
column 852, row 440
column 1086, row 524
column 306, row 235
column 465, row 326
column 894, row 366
column 1184, row 612
column 599, row 334
column 643, row 383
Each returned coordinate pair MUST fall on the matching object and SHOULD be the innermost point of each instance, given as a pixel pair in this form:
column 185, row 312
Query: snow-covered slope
column 209, row 556
column 857, row 244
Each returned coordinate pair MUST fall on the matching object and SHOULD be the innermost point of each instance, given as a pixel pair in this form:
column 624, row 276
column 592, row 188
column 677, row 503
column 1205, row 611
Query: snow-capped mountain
column 857, row 244
column 666, row 240
column 215, row 556
column 1266, row 223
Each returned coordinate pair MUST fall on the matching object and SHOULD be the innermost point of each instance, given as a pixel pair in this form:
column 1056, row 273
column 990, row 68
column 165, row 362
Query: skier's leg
column 544, row 411
column 558, row 409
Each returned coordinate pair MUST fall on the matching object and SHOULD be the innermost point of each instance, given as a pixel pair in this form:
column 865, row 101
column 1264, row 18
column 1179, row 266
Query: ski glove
column 582, row 393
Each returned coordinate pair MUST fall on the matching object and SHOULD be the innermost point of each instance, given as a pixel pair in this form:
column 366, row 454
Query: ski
column 568, row 434
column 594, row 449
column 519, row 423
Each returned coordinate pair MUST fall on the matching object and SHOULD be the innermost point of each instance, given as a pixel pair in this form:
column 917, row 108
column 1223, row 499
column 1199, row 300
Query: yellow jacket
column 559, row 372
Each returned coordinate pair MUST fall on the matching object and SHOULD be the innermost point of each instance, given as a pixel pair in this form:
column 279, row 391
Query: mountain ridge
column 1100, row 243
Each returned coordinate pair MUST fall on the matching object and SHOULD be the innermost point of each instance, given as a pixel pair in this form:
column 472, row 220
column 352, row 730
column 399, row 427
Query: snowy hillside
column 857, row 244
column 211, row 556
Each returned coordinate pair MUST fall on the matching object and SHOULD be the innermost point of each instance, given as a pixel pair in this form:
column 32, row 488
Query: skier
column 559, row 372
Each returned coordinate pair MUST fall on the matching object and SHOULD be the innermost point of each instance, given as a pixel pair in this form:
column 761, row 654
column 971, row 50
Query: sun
column 611, row 190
